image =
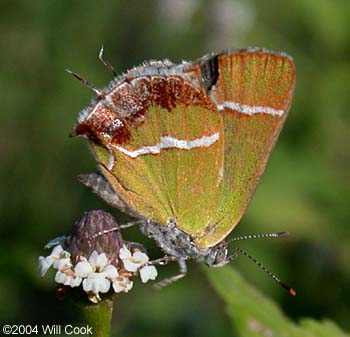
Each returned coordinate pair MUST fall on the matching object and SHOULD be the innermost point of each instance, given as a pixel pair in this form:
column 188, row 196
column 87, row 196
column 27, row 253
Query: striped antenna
column 99, row 92
column 261, row 266
column 259, row 236
column 106, row 63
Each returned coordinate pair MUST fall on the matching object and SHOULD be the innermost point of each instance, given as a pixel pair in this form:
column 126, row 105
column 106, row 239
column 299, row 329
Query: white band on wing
column 249, row 110
column 168, row 142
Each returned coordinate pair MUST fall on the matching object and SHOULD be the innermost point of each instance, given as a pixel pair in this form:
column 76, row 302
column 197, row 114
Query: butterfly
column 181, row 147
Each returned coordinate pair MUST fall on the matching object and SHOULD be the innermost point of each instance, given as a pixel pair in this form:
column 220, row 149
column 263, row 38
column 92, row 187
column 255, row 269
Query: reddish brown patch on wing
column 125, row 106
column 102, row 125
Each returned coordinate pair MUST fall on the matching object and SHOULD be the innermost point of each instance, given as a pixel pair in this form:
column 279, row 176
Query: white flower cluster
column 96, row 274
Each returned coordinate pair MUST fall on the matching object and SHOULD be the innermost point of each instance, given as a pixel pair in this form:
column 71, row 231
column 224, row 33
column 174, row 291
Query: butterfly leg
column 116, row 228
column 131, row 224
column 165, row 260
column 102, row 188
column 100, row 185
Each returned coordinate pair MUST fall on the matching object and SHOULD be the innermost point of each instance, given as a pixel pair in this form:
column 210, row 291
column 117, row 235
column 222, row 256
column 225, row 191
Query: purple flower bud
column 96, row 231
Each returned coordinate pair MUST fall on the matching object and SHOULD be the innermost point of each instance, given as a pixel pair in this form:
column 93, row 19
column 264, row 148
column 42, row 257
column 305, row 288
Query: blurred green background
column 304, row 190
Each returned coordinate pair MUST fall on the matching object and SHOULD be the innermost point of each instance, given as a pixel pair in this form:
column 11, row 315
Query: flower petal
column 43, row 265
column 130, row 266
column 62, row 264
column 104, row 285
column 148, row 273
column 101, row 261
column 110, row 272
column 67, row 280
column 93, row 258
column 60, row 277
column 83, row 269
column 57, row 251
column 124, row 253
column 133, row 262
column 76, row 281
column 140, row 257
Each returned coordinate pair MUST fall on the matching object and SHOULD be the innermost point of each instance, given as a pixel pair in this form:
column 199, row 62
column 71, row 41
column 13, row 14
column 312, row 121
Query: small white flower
column 132, row 262
column 148, row 273
column 97, row 273
column 122, row 284
column 96, row 283
column 68, row 279
column 58, row 258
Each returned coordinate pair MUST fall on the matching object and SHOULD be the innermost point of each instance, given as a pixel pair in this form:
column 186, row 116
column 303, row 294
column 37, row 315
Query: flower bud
column 95, row 231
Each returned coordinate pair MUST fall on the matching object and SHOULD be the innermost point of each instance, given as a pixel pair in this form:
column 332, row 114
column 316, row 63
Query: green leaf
column 253, row 314
column 325, row 328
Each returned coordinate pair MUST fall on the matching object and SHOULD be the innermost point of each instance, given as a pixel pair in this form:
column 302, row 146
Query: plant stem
column 98, row 316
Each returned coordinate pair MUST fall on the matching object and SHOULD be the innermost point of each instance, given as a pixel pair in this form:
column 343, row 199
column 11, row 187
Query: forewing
column 165, row 159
